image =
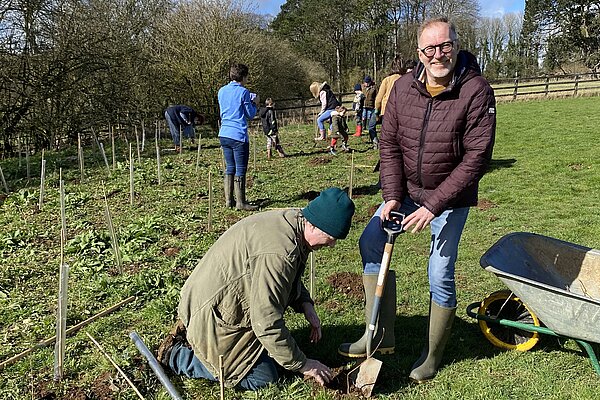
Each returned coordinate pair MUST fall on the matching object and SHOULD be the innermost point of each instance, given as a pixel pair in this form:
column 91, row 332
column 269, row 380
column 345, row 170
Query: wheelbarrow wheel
column 503, row 304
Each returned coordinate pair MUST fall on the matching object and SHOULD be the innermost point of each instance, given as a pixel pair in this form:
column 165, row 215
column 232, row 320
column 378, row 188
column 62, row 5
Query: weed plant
column 544, row 178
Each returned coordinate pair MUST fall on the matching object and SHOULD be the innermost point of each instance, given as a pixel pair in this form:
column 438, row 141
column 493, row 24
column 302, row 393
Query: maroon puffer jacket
column 436, row 149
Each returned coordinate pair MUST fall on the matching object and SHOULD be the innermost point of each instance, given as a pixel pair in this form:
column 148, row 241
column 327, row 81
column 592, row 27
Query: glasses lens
column 429, row 51
column 446, row 47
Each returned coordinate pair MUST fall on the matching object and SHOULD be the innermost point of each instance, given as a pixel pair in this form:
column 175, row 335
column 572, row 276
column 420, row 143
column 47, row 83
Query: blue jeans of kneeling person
column 183, row 361
column 236, row 155
column 446, row 230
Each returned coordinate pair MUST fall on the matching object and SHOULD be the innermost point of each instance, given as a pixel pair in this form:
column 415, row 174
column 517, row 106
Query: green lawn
column 544, row 178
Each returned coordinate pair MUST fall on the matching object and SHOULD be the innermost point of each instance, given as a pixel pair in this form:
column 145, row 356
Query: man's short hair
column 237, row 72
column 432, row 21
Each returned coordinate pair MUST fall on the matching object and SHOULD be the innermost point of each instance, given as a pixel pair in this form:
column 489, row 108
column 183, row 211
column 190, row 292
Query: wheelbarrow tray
column 559, row 281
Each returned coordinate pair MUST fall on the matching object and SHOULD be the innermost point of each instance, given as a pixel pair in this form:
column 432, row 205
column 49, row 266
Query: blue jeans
column 370, row 119
column 236, row 156
column 322, row 118
column 446, row 230
column 183, row 361
column 188, row 130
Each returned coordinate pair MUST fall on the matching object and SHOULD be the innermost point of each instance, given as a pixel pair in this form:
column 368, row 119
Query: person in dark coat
column 436, row 144
column 270, row 127
column 183, row 119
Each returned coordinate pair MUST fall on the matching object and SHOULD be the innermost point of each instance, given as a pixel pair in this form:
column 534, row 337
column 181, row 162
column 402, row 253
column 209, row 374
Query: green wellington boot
column 385, row 323
column 228, row 187
column 240, row 195
column 438, row 332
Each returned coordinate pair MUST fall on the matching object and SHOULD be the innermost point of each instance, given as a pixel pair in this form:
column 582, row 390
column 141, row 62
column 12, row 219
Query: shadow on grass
column 501, row 163
column 466, row 342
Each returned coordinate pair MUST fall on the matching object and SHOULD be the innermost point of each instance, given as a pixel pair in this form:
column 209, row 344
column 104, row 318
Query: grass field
column 544, row 178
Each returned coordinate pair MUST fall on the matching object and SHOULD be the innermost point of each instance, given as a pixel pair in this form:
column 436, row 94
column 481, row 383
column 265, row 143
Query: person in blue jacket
column 182, row 118
column 237, row 106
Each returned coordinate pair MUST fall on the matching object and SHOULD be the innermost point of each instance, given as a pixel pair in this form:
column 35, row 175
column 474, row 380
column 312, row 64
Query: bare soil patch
column 347, row 283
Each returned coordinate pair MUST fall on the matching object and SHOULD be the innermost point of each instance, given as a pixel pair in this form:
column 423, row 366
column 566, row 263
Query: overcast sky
column 489, row 8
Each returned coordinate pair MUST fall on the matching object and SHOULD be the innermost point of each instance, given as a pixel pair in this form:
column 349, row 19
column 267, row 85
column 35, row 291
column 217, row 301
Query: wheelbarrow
column 550, row 280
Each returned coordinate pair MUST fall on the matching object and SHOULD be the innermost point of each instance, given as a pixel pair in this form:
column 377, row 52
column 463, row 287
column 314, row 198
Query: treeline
column 67, row 66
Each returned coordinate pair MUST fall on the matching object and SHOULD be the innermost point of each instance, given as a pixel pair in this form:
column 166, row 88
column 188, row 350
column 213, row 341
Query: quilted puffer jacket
column 436, row 149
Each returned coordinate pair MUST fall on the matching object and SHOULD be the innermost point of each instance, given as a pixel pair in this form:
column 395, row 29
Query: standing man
column 436, row 143
column 182, row 118
column 234, row 301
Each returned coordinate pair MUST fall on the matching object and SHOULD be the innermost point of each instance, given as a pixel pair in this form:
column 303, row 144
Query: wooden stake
column 143, row 135
column 104, row 157
column 4, row 181
column 158, row 160
column 114, row 154
column 42, row 182
column 71, row 330
column 113, row 235
column 80, row 155
column 27, row 161
column 351, row 175
column 180, row 141
column 105, row 354
column 210, row 195
column 131, row 192
column 221, row 377
column 137, row 142
column 198, row 154
column 61, row 318
column 312, row 275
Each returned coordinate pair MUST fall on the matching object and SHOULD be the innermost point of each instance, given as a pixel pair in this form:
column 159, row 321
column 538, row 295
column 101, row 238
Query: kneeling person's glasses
column 445, row 48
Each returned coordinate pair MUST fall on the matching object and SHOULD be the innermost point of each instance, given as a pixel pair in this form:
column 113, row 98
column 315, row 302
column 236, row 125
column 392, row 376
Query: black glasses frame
column 445, row 48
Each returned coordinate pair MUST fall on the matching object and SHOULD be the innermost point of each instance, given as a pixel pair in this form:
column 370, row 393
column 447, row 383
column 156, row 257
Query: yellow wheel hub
column 504, row 304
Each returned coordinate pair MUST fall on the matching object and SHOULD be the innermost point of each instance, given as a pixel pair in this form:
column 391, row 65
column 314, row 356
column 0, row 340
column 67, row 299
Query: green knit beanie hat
column 331, row 212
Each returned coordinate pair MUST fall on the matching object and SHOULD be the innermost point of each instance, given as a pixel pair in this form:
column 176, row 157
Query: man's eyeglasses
column 445, row 48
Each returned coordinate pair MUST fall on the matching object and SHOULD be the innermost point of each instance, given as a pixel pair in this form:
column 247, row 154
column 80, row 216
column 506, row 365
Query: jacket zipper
column 422, row 141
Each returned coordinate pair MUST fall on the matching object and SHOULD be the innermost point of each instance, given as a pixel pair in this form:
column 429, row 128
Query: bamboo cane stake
column 19, row 150
column 4, row 181
column 27, row 161
column 137, row 142
column 143, row 135
column 351, row 175
column 71, row 330
column 80, row 155
column 254, row 151
column 198, row 153
column 221, row 377
column 113, row 235
column 108, row 357
column 61, row 318
column 158, row 160
column 104, row 157
column 210, row 200
column 180, row 141
column 42, row 182
column 114, row 154
column 131, row 191
column 312, row 275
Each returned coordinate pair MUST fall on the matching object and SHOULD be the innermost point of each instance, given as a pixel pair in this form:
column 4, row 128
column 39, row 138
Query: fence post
column 576, row 85
column 516, row 86
column 547, row 84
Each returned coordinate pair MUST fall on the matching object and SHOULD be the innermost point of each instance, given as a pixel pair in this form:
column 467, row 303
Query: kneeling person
column 234, row 301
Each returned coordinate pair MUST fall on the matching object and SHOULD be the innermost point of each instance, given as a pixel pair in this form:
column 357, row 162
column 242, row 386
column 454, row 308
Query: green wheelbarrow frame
column 534, row 329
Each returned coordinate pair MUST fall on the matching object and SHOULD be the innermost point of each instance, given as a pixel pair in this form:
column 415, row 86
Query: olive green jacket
column 233, row 302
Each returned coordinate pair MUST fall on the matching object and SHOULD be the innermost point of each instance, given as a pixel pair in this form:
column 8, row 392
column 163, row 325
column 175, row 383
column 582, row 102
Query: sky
column 489, row 8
